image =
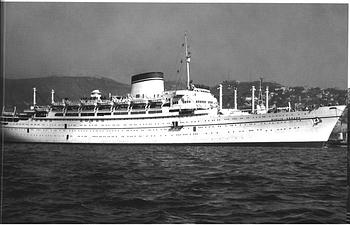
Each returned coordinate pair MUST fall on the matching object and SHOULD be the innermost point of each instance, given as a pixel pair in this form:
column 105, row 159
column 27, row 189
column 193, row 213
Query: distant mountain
column 19, row 92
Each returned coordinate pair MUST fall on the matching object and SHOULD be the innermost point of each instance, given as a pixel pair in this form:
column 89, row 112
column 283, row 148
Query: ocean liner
column 151, row 115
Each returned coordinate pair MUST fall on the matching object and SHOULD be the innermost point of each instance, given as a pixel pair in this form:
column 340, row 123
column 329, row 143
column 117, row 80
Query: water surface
column 58, row 183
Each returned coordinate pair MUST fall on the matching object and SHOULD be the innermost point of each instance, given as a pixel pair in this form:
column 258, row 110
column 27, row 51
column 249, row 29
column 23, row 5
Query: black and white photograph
column 174, row 112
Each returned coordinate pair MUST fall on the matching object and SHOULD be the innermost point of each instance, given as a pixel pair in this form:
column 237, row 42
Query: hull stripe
column 240, row 144
column 168, row 126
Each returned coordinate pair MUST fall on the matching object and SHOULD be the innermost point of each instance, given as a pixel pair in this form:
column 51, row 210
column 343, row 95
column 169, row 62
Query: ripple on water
column 49, row 183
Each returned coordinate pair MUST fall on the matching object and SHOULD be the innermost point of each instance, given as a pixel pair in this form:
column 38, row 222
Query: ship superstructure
column 151, row 115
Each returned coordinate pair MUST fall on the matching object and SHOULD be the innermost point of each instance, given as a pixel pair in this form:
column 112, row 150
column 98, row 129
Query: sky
column 291, row 44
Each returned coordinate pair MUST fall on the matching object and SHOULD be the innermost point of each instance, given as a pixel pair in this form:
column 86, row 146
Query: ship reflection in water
column 55, row 183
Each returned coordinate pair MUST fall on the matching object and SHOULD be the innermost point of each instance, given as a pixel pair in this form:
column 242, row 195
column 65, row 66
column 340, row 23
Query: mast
column 235, row 97
column 220, row 97
column 52, row 96
column 34, row 96
column 267, row 98
column 188, row 59
column 260, row 99
column 253, row 100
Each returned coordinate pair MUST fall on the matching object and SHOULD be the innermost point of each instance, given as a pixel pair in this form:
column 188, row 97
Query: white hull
column 287, row 127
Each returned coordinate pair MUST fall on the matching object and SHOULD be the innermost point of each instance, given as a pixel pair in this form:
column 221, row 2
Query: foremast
column 188, row 59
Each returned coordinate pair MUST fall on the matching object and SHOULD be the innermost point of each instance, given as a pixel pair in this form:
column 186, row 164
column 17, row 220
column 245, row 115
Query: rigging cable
column 179, row 68
column 183, row 63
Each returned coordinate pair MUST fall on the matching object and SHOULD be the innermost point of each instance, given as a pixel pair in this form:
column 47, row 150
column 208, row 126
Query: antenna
column 188, row 59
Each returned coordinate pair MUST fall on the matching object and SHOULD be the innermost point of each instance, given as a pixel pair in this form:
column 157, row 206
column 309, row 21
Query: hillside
column 243, row 90
column 19, row 92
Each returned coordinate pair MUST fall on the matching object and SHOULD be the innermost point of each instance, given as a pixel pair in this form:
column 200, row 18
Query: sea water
column 63, row 183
